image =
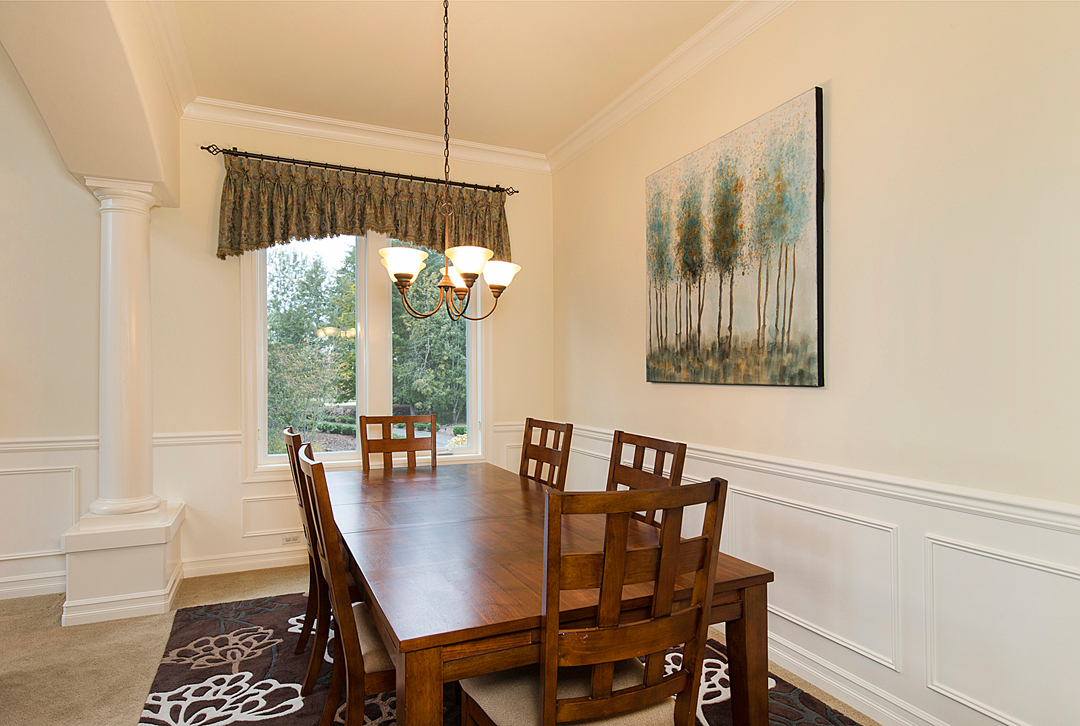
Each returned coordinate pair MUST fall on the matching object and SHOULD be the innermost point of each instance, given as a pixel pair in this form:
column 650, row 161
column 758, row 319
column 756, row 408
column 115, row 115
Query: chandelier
column 463, row 264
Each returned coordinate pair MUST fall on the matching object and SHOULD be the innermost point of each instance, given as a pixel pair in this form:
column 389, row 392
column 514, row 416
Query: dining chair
column 592, row 669
column 548, row 460
column 362, row 666
column 637, row 474
column 317, row 615
column 388, row 446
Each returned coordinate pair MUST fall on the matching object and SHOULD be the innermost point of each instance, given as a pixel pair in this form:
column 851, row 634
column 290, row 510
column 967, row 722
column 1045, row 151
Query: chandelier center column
column 125, row 425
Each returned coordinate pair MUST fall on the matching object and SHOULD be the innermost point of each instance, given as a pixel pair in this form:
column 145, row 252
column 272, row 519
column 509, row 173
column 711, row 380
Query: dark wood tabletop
column 450, row 559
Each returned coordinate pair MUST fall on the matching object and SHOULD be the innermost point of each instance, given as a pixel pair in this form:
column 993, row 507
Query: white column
column 125, row 425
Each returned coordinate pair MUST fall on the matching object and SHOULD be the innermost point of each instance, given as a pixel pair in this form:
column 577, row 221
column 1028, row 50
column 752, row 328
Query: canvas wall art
column 734, row 244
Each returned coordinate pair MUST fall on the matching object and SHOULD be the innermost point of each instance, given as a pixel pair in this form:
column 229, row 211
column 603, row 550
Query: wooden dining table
column 450, row 562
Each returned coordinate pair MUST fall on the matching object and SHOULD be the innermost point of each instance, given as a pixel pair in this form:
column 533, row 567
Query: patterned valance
column 264, row 203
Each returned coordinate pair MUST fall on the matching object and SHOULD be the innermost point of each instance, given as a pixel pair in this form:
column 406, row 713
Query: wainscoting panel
column 42, row 484
column 275, row 514
column 879, row 601
column 42, row 502
column 997, row 663
column 836, row 573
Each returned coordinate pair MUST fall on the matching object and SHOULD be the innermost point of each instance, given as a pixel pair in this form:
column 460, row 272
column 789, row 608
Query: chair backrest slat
column 547, row 447
column 674, row 617
column 637, row 474
column 387, row 445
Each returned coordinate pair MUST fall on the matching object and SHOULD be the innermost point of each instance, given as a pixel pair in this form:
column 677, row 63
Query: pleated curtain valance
column 264, row 203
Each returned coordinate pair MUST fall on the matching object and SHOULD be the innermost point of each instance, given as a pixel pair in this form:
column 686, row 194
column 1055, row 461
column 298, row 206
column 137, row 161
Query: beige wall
column 951, row 247
column 49, row 254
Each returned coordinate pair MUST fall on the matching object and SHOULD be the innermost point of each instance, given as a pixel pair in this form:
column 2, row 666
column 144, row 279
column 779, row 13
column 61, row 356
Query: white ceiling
column 524, row 75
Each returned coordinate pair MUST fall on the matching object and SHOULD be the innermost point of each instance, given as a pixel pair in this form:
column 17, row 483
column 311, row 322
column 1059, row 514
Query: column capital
column 123, row 194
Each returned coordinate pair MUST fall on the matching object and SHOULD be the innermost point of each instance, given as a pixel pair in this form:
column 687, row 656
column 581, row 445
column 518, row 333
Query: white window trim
column 257, row 465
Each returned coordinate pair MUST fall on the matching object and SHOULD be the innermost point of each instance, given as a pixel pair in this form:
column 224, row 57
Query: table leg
column 748, row 660
column 419, row 688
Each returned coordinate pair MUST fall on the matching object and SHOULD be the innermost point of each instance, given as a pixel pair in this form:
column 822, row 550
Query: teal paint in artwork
column 734, row 244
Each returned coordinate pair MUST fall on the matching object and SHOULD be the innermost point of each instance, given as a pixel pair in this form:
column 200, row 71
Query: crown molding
column 721, row 34
column 725, row 30
column 319, row 127
column 164, row 27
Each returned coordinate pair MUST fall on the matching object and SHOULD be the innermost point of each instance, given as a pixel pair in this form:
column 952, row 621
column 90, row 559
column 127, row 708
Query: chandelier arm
column 452, row 309
column 489, row 312
column 412, row 311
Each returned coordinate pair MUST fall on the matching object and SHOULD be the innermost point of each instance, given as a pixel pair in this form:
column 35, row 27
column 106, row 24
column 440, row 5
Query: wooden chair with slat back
column 388, row 446
column 317, row 615
column 591, row 670
column 362, row 666
column 549, row 460
column 638, row 475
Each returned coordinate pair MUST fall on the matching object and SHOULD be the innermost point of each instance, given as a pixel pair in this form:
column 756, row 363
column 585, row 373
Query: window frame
column 373, row 359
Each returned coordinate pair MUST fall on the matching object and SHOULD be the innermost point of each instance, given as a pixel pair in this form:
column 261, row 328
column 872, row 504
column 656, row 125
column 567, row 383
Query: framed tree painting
column 734, row 246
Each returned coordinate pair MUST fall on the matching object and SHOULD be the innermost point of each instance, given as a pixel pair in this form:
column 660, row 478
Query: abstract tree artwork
column 734, row 237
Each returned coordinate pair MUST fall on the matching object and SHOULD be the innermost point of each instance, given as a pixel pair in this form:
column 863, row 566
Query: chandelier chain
column 446, row 95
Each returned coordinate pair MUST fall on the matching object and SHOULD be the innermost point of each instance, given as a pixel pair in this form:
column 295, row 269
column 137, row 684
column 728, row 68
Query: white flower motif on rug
column 222, row 699
column 715, row 683
column 379, row 710
column 227, row 649
column 296, row 624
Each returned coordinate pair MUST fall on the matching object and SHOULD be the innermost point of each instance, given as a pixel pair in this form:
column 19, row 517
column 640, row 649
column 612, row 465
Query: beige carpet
column 100, row 674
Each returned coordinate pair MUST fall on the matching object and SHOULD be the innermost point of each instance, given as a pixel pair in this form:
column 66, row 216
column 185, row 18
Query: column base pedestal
column 123, row 565
column 125, row 506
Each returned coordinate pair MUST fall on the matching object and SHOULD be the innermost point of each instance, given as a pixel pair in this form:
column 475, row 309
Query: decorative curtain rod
column 215, row 150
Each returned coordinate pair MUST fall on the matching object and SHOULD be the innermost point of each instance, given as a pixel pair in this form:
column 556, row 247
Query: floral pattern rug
column 233, row 663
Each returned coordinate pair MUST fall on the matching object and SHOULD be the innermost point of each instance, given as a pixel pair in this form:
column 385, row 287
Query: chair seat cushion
column 376, row 658
column 512, row 698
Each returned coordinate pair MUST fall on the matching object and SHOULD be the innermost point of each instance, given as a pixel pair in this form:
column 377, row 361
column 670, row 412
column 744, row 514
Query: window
column 327, row 339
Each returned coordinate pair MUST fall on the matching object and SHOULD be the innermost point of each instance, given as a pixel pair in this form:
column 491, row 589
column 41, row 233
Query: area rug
column 233, row 663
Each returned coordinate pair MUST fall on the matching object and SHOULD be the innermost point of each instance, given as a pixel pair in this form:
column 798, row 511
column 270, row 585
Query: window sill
column 280, row 471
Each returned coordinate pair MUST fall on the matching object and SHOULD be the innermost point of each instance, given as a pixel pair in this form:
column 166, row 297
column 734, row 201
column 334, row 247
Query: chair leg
column 312, row 608
column 333, row 697
column 354, row 696
column 322, row 630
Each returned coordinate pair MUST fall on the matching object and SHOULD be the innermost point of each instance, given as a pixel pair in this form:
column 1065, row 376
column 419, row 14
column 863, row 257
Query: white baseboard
column 241, row 562
column 98, row 609
column 43, row 583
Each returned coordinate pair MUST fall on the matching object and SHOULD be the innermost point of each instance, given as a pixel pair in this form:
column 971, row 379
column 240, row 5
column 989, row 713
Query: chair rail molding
column 51, row 443
column 1022, row 510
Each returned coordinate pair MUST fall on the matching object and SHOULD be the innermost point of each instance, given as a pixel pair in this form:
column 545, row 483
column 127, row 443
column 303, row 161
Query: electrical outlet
column 290, row 538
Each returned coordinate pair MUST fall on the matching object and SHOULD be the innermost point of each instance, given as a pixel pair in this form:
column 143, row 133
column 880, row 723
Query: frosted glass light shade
column 403, row 260
column 500, row 273
column 455, row 277
column 391, row 274
column 469, row 259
